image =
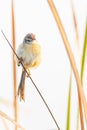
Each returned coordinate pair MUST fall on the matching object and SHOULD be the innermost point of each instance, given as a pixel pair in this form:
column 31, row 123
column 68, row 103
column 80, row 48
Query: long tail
column 21, row 87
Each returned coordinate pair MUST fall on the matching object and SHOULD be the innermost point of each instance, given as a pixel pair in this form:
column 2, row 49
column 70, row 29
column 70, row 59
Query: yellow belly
column 32, row 55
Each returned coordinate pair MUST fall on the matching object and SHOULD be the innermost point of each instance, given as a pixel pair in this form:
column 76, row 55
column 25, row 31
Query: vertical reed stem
column 14, row 66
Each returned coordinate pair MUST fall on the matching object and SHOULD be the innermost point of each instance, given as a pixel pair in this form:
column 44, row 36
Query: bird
column 29, row 54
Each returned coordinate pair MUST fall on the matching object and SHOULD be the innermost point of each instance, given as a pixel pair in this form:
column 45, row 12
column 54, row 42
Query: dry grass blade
column 5, row 124
column 81, row 96
column 14, row 66
column 75, row 22
column 69, row 104
column 75, row 27
column 10, row 119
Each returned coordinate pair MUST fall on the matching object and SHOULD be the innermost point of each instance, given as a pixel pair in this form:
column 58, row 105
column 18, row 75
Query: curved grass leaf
column 84, row 53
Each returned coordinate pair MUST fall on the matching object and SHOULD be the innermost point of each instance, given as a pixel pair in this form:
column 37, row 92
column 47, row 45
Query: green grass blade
column 84, row 54
column 82, row 68
column 69, row 104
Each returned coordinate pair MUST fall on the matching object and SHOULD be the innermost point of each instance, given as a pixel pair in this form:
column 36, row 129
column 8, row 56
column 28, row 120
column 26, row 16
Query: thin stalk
column 81, row 96
column 14, row 67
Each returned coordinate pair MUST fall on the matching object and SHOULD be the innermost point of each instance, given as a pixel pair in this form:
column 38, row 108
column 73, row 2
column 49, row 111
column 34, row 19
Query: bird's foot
column 19, row 61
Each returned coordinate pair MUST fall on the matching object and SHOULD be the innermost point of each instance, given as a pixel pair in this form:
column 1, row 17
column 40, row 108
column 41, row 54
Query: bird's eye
column 28, row 40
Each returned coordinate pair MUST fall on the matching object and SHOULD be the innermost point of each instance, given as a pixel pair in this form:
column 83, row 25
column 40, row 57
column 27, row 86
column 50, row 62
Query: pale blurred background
column 52, row 76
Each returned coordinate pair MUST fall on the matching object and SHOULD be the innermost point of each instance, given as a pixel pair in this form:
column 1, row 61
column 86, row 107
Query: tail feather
column 21, row 87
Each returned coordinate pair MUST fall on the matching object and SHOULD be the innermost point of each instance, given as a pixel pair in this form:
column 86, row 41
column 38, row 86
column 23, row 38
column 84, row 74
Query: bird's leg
column 19, row 61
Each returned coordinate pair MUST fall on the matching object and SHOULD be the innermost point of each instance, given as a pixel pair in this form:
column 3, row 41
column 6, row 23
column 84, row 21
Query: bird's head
column 29, row 38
